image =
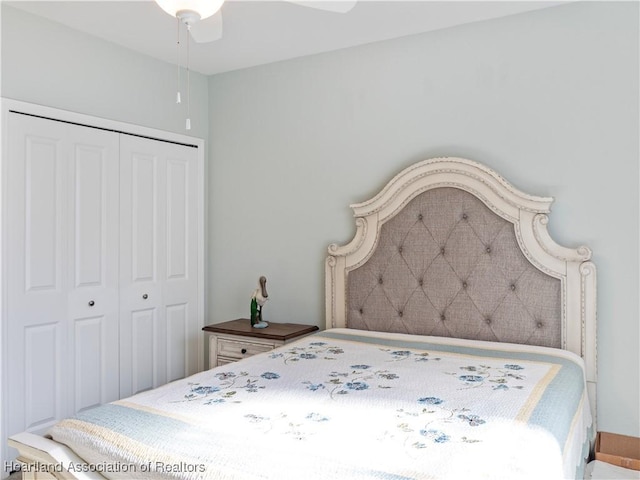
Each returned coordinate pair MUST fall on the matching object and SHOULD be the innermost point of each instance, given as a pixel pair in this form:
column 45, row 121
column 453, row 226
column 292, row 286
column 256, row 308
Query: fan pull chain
column 188, row 125
column 178, row 99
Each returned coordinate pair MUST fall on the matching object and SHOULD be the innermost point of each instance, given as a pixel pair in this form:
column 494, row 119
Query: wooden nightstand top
column 275, row 331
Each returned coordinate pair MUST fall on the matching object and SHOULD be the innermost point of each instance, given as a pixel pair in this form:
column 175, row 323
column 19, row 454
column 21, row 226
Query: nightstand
column 237, row 339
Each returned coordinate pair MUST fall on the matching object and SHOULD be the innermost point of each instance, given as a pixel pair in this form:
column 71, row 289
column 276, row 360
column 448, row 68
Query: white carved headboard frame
column 460, row 182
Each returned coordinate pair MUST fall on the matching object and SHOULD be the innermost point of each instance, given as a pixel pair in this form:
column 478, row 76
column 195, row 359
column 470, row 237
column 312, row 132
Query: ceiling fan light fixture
column 190, row 10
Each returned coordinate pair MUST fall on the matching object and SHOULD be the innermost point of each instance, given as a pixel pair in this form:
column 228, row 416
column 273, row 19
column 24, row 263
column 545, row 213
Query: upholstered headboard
column 450, row 248
column 447, row 265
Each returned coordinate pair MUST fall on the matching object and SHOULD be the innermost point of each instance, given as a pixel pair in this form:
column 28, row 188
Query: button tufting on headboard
column 457, row 256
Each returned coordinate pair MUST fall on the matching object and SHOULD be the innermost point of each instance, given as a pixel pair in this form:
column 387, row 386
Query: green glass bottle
column 254, row 312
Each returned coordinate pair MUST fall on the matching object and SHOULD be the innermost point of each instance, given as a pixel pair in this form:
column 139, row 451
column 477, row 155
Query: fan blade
column 337, row 6
column 207, row 30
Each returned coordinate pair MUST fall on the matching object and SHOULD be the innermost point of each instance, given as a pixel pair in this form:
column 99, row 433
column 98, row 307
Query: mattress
column 349, row 404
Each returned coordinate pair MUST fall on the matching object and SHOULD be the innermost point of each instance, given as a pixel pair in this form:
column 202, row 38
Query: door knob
column 145, row 296
column 91, row 303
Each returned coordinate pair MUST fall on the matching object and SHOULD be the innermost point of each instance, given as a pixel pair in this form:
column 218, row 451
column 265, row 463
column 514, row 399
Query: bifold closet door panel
column 62, row 243
column 158, row 263
column 93, row 219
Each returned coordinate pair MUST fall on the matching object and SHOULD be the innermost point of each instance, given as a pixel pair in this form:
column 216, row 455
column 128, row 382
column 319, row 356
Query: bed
column 460, row 343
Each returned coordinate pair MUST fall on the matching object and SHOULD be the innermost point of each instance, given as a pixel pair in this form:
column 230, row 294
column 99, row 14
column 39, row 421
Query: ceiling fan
column 206, row 26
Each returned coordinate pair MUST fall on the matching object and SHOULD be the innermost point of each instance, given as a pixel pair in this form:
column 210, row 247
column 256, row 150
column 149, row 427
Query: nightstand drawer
column 238, row 350
column 237, row 339
column 225, row 361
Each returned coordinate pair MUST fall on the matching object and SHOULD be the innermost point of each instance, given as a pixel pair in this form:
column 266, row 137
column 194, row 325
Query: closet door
column 158, row 263
column 93, row 228
column 61, row 254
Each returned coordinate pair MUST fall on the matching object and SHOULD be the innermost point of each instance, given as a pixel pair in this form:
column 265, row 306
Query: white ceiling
column 260, row 32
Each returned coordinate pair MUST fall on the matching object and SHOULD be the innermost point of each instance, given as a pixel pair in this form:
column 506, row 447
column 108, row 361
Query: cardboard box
column 619, row 450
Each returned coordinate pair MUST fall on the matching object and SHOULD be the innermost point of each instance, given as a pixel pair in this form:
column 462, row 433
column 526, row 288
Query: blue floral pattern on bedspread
column 325, row 395
column 230, row 384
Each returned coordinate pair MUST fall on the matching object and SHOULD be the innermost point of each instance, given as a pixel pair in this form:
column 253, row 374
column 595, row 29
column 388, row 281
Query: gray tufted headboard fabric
column 450, row 248
column 446, row 265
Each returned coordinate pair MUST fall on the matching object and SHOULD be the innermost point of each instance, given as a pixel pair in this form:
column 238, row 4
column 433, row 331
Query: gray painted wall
column 49, row 64
column 549, row 99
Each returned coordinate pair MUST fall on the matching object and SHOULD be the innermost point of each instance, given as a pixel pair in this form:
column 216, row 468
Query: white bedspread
column 346, row 404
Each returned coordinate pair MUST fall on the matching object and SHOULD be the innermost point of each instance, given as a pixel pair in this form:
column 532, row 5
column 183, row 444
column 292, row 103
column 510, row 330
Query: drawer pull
column 91, row 303
column 243, row 351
